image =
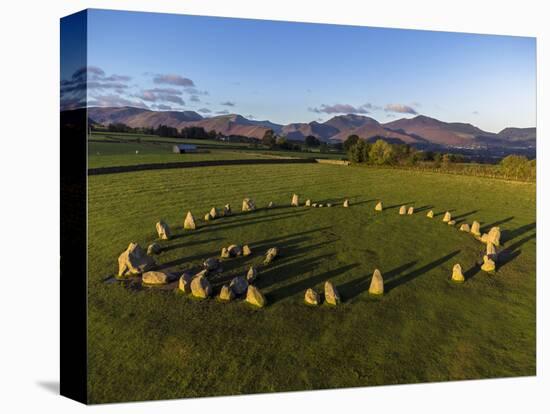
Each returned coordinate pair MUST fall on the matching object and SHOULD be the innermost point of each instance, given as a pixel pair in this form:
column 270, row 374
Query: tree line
column 192, row 132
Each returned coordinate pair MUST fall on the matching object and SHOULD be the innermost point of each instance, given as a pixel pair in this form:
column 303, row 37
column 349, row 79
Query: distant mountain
column 421, row 130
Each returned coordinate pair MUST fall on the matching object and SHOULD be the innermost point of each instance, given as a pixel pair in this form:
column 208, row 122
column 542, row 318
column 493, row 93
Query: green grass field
column 156, row 344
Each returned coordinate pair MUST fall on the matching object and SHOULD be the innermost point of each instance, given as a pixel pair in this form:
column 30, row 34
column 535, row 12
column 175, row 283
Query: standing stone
column 484, row 237
column 475, row 229
column 255, row 297
column 346, row 203
column 134, row 261
column 314, row 205
column 248, row 205
column 270, row 205
column 430, row 214
column 270, row 255
column 377, row 283
column 379, row 206
column 156, row 278
column 491, row 251
column 403, row 210
column 189, row 223
column 447, row 217
column 295, row 202
column 163, row 230
column 154, row 248
column 312, row 298
column 207, row 217
column 184, row 283
column 488, row 264
column 308, row 203
column 329, row 204
column 320, row 205
column 465, row 227
column 451, row 222
column 235, row 250
column 252, row 274
column 332, row 297
column 239, row 285
column 201, row 287
column 227, row 210
column 246, row 250
column 226, row 294
column 214, row 213
column 457, row 276
column 211, row 263
column 225, row 253
column 410, row 211
column 494, row 236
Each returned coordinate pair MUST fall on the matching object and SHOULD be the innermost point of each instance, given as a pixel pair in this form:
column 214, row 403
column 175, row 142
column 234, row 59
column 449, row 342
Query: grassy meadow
column 156, row 344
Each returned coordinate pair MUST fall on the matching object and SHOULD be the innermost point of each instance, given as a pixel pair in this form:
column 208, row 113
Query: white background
column 29, row 204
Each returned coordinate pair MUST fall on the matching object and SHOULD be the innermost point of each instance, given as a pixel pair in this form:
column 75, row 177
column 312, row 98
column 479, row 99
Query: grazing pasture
column 147, row 343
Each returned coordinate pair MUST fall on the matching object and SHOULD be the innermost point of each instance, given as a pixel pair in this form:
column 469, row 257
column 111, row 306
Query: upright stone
column 252, row 274
column 488, row 264
column 189, row 223
column 430, row 214
column 491, row 251
column 270, row 205
column 134, row 261
column 457, row 276
column 377, row 283
column 402, row 210
column 295, row 202
column 308, row 203
column 163, row 230
column 312, row 298
column 224, row 253
column 207, row 217
column 346, row 203
column 475, row 229
column 226, row 294
column 184, row 284
column 154, row 248
column 211, row 263
column 379, row 206
column 270, row 255
column 246, row 250
column 465, row 227
column 239, row 285
column 451, row 222
column 201, row 287
column 214, row 213
column 227, row 210
column 255, row 297
column 494, row 236
column 447, row 217
column 410, row 211
column 332, row 297
column 235, row 250
column 248, row 205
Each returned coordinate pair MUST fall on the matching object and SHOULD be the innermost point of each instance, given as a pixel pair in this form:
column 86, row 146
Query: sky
column 300, row 72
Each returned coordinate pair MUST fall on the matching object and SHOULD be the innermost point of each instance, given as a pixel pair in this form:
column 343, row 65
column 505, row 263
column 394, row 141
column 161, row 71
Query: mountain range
column 421, row 130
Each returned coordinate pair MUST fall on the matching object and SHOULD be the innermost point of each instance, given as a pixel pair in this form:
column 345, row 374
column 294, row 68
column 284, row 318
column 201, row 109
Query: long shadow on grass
column 507, row 235
column 423, row 208
column 511, row 252
column 487, row 227
column 462, row 216
column 398, row 205
column 189, row 243
column 440, row 213
column 399, row 280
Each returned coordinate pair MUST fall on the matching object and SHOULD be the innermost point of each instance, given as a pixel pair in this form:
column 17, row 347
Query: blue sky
column 298, row 72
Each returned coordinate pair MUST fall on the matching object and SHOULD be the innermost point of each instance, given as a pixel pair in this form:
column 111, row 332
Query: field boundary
column 193, row 164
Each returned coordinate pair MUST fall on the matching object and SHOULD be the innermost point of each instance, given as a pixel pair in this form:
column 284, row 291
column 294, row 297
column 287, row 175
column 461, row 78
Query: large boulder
column 212, row 263
column 270, row 255
column 246, row 250
column 184, row 283
column 201, row 287
column 378, row 206
column 312, row 298
column 248, row 205
column 430, row 214
column 410, row 211
column 494, row 236
column 457, row 276
column 447, row 217
column 235, row 250
column 252, row 274
column 295, row 202
column 488, row 264
column 255, row 297
column 227, row 210
column 475, row 229
column 163, row 230
column 134, row 261
column 239, row 285
column 156, row 278
column 402, row 210
column 346, row 203
column 332, row 297
column 377, row 283
column 154, row 248
column 189, row 223
column 465, row 227
column 226, row 294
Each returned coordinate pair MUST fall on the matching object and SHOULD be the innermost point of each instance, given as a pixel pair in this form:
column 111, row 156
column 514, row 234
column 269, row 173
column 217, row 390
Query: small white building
column 184, row 148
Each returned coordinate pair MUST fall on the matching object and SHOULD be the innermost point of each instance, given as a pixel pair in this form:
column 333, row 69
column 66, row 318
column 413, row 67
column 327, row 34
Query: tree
column 357, row 152
column 269, row 138
column 282, row 143
column 312, row 141
column 381, row 153
column 323, row 147
column 350, row 142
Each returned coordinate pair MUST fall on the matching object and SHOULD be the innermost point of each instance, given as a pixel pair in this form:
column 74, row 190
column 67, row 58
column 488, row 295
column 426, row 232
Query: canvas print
column 264, row 206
